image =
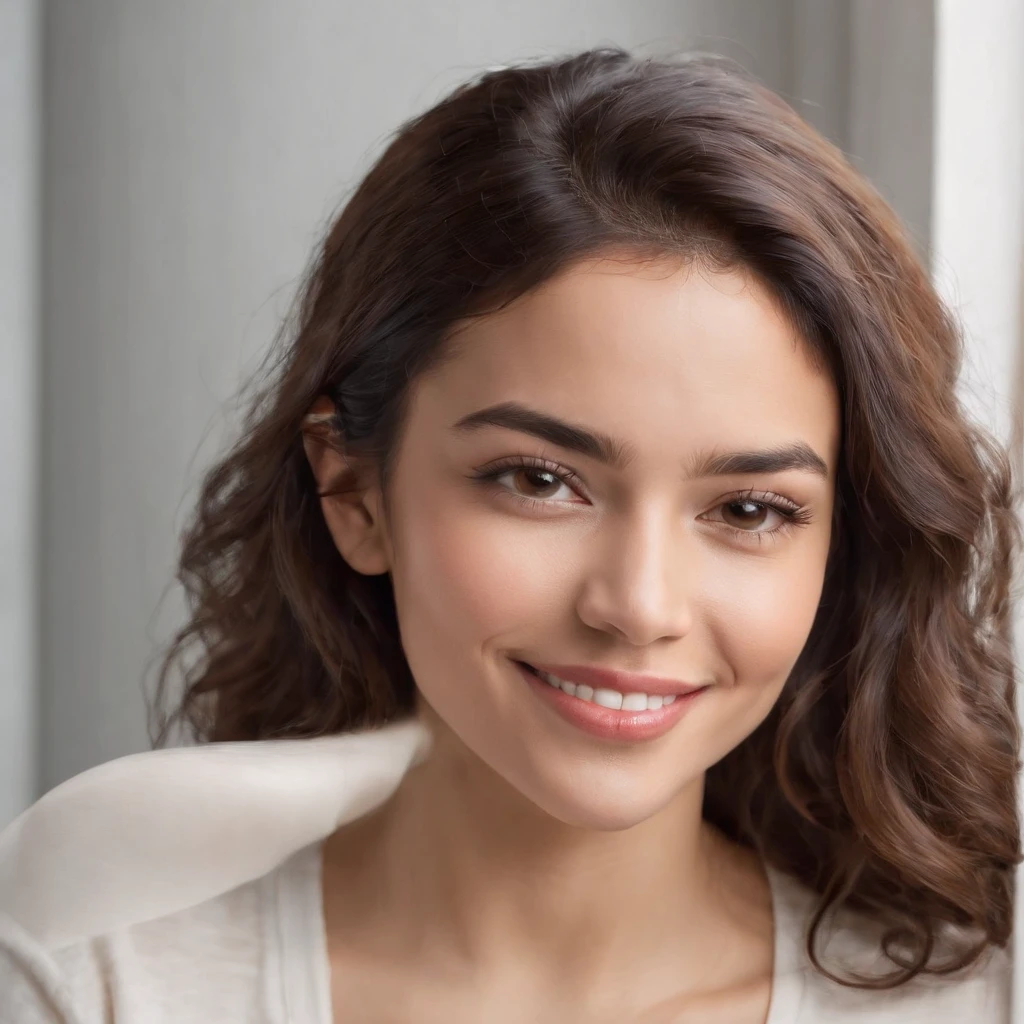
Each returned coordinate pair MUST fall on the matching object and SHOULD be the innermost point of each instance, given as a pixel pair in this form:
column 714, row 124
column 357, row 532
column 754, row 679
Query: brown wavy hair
column 885, row 777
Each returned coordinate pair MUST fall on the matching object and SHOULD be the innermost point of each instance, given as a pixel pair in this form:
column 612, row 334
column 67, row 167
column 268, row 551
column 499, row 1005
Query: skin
column 526, row 870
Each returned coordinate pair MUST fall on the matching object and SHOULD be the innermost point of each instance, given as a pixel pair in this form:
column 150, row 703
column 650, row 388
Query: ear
column 349, row 491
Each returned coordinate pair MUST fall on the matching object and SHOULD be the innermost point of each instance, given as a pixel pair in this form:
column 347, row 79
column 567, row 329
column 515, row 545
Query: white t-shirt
column 256, row 951
column 258, row 954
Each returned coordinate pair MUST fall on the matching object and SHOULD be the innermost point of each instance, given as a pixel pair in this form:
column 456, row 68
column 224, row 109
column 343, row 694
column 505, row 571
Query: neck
column 460, row 867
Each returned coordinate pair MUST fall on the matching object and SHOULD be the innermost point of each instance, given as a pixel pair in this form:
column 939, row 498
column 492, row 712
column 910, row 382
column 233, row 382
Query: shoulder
column 850, row 941
column 166, row 829
column 198, row 964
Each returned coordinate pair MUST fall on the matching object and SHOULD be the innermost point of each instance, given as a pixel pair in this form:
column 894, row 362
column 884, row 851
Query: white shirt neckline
column 297, row 966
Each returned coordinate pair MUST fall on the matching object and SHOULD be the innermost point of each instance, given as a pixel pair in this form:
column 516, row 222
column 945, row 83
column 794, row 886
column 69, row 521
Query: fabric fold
column 151, row 833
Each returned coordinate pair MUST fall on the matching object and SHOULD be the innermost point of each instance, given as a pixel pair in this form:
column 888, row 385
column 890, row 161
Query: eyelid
column 498, row 467
column 763, row 498
column 794, row 515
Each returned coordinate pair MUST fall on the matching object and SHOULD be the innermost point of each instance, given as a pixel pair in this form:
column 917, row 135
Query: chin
column 606, row 816
column 604, row 819
column 609, row 804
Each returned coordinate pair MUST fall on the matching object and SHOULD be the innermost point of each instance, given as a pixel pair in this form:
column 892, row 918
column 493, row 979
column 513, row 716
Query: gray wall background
column 20, row 117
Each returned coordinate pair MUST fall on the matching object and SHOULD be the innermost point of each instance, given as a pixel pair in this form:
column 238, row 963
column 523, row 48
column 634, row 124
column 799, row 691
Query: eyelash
column 793, row 515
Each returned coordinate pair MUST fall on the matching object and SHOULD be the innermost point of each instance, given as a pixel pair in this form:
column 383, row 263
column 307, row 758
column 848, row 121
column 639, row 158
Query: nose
column 636, row 588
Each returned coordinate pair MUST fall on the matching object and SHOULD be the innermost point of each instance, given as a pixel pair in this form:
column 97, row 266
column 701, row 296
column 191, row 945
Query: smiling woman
column 587, row 526
column 611, row 541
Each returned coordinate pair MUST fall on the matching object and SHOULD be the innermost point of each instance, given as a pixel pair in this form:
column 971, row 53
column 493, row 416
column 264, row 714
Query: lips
column 603, row 714
column 608, row 679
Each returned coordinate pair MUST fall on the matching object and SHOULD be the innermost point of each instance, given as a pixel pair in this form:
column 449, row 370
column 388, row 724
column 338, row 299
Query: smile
column 605, row 713
column 607, row 698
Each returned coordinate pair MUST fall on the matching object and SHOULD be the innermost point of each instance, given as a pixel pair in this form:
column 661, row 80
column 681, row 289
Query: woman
column 603, row 616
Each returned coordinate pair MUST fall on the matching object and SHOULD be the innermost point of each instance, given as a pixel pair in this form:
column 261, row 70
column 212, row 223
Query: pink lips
column 624, row 682
column 607, row 723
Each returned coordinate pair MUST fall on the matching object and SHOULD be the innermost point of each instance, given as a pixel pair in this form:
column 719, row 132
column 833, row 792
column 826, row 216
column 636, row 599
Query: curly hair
column 884, row 778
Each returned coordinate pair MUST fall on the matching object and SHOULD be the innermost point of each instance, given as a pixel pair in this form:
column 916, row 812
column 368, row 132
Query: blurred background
column 166, row 169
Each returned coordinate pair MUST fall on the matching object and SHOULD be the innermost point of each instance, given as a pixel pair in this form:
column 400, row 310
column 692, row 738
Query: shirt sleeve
column 32, row 988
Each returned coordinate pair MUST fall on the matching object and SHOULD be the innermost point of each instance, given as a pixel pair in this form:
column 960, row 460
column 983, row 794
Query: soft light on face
column 641, row 566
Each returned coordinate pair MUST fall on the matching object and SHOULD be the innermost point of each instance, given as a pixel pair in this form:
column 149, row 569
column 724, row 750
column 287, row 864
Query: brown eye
column 748, row 515
column 536, row 480
column 533, row 484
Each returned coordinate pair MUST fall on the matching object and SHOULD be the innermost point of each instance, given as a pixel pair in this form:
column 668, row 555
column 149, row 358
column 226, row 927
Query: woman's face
column 658, row 562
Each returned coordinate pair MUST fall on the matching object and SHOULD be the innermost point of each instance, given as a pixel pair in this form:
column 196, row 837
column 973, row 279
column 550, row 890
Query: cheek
column 761, row 612
column 466, row 574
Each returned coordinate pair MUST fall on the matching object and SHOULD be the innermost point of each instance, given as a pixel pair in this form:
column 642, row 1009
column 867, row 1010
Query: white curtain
column 978, row 229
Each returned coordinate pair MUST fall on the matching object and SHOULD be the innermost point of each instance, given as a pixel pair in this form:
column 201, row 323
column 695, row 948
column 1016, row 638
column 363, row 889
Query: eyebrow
column 796, row 455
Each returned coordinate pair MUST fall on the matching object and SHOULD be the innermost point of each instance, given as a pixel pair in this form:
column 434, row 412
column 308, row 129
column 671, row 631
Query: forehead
column 644, row 351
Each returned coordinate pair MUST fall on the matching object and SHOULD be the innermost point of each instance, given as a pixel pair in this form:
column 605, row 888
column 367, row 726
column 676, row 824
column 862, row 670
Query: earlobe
column 348, row 493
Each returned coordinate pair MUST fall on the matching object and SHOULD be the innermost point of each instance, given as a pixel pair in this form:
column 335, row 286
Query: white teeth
column 608, row 698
